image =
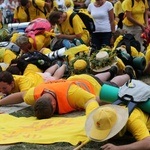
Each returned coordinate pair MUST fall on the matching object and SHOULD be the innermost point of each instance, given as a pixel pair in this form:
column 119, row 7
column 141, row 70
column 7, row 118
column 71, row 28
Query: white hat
column 102, row 61
column 105, row 122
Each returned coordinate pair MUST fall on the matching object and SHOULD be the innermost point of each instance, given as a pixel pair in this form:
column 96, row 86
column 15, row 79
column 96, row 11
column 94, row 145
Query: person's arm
column 139, row 145
column 112, row 22
column 15, row 98
column 48, row 6
column 69, row 37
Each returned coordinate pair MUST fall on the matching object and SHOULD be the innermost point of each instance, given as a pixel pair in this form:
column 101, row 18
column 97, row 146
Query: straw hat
column 105, row 122
column 102, row 61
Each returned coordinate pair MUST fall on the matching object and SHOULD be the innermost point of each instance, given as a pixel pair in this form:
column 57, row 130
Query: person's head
column 105, row 122
column 23, row 42
column 45, row 106
column 6, row 82
column 56, row 17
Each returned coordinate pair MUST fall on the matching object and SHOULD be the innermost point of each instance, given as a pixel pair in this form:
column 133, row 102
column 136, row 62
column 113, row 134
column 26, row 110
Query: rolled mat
column 109, row 94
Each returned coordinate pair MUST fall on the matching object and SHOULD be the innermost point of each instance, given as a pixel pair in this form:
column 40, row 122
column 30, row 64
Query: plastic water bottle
column 56, row 30
column 41, row 62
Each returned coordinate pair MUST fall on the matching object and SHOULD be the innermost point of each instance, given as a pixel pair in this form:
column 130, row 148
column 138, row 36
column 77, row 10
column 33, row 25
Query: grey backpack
column 133, row 92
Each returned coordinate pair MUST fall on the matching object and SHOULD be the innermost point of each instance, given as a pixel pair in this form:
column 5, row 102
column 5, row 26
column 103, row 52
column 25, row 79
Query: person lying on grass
column 78, row 92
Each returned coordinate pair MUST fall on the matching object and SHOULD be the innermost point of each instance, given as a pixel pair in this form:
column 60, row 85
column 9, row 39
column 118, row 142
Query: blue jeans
column 68, row 44
column 100, row 39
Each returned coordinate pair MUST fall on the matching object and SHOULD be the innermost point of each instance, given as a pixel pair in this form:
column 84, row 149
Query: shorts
column 46, row 76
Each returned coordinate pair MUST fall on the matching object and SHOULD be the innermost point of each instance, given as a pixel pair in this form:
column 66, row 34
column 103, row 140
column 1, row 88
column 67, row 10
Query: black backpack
column 87, row 20
column 129, row 40
column 37, row 58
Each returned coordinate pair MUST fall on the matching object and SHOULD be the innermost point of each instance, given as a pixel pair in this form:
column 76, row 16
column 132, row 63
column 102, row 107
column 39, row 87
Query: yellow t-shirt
column 20, row 14
column 74, row 98
column 118, row 8
column 22, row 83
column 78, row 26
column 35, row 13
column 41, row 40
column 139, row 124
column 89, row 78
column 29, row 79
column 137, row 10
column 8, row 56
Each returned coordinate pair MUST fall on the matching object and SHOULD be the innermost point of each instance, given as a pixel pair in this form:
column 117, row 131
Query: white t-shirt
column 101, row 16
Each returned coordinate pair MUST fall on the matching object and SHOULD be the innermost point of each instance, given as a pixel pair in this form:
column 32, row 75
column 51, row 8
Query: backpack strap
column 35, row 5
column 131, row 104
column 71, row 17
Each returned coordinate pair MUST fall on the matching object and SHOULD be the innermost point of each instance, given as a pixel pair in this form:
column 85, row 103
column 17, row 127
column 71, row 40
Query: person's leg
column 121, row 79
column 52, row 69
column 104, row 76
column 113, row 71
column 60, row 72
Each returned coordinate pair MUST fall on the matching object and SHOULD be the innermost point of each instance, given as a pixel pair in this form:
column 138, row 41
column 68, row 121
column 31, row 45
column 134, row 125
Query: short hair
column 6, row 76
column 43, row 108
column 54, row 16
column 22, row 39
column 24, row 2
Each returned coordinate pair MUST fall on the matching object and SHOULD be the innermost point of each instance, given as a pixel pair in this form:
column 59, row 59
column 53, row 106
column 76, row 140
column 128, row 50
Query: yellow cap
column 80, row 64
column 104, row 120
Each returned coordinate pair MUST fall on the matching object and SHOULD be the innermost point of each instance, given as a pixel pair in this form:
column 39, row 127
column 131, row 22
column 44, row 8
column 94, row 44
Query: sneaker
column 130, row 71
column 113, row 71
column 58, row 62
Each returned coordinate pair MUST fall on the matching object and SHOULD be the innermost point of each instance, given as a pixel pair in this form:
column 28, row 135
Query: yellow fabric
column 8, row 56
column 46, row 51
column 2, row 51
column 28, row 80
column 137, row 10
column 41, row 41
column 147, row 56
column 95, row 84
column 77, row 27
column 20, row 14
column 118, row 8
column 14, row 37
column 31, row 68
column 138, row 123
column 46, row 131
column 74, row 93
column 35, row 13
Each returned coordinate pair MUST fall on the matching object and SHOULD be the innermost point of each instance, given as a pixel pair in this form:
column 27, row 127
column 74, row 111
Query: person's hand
column 109, row 147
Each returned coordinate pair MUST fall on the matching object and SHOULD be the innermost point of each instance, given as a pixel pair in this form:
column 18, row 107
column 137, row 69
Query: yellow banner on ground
column 46, row 131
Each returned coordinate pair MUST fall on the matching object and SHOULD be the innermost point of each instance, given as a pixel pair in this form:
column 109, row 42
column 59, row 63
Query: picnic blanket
column 46, row 131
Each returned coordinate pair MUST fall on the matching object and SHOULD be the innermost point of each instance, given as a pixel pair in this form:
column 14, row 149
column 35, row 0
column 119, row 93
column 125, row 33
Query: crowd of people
column 90, row 60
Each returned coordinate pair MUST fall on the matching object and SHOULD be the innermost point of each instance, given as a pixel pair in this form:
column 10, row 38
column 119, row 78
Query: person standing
column 136, row 18
column 103, row 14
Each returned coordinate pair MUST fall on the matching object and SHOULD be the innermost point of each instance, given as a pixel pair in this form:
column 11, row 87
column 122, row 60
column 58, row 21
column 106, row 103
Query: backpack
column 86, row 18
column 11, row 46
column 37, row 58
column 134, row 93
column 129, row 40
column 35, row 5
column 36, row 27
